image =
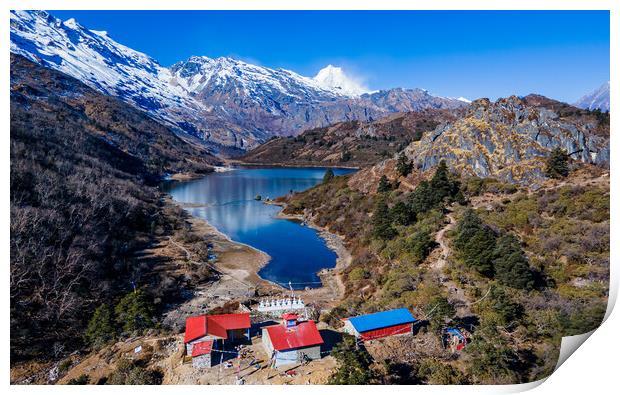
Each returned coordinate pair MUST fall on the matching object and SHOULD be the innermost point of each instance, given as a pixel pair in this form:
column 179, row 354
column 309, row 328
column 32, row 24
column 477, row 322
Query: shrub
column 358, row 274
column 557, row 164
column 329, row 175
column 130, row 373
column 437, row 373
column 492, row 364
column 353, row 364
column 384, row 185
column 420, row 244
column 403, row 165
column 83, row 379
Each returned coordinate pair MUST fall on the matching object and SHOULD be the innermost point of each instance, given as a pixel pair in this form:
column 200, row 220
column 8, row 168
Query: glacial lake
column 297, row 252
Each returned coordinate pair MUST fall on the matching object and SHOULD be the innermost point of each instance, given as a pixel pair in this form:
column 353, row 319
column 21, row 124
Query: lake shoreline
column 333, row 241
column 250, row 260
column 291, row 165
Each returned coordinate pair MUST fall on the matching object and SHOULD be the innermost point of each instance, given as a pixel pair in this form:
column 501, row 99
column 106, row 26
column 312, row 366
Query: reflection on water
column 297, row 252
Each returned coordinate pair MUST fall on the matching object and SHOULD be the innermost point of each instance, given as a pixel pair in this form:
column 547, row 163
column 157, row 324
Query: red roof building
column 292, row 343
column 220, row 327
column 217, row 326
column 304, row 334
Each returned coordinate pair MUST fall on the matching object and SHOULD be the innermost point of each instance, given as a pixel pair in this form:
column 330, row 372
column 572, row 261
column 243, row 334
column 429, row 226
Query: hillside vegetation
column 83, row 200
column 519, row 268
column 352, row 143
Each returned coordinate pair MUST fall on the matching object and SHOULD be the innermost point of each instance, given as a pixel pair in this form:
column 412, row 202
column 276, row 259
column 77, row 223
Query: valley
column 146, row 196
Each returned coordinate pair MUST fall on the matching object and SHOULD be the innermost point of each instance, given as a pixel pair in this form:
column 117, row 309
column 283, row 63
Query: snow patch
column 335, row 79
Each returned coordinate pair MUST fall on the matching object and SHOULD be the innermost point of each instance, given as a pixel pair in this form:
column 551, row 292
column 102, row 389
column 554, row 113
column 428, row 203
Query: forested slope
column 83, row 173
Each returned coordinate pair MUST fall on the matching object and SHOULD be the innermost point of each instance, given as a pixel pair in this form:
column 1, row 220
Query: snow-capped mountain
column 599, row 99
column 334, row 79
column 223, row 101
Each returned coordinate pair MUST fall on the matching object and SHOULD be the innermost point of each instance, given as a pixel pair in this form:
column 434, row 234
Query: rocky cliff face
column 352, row 143
column 508, row 139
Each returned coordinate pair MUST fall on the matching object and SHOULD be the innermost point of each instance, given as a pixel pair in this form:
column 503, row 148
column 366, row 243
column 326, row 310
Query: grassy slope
column 564, row 231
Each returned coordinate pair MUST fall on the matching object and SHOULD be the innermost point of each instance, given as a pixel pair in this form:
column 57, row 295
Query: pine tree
column 442, row 185
column 384, row 185
column 382, row 225
column 101, row 327
column 135, row 312
column 475, row 242
column 403, row 165
column 401, row 214
column 557, row 164
column 421, row 199
column 442, row 312
column 510, row 265
column 329, row 175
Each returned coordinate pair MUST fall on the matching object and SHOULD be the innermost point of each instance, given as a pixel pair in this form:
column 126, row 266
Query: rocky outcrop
column 353, row 143
column 508, row 140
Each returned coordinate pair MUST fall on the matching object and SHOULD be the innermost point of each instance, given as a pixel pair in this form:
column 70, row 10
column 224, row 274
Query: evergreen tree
column 384, row 185
column 401, row 214
column 475, row 242
column 382, row 225
column 499, row 302
column 440, row 183
column 421, row 199
column 403, row 165
column 420, row 244
column 353, row 364
column 135, row 312
column 101, row 327
column 329, row 175
column 557, row 164
column 510, row 265
column 442, row 312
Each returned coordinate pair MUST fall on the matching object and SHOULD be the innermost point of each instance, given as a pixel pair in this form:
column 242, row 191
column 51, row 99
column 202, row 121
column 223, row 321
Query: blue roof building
column 382, row 324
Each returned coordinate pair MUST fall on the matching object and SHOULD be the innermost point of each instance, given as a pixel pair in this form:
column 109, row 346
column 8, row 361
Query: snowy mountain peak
column 72, row 23
column 598, row 99
column 200, row 73
column 225, row 101
column 334, row 78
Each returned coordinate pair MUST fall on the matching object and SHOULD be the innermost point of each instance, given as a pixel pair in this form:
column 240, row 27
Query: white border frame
column 591, row 370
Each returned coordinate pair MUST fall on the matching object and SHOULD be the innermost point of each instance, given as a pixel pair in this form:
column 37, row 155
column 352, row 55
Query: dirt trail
column 440, row 239
column 456, row 293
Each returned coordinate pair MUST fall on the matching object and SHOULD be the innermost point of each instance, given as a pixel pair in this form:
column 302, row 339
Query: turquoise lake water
column 297, row 252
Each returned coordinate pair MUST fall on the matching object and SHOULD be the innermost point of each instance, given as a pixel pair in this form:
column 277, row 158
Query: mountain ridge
column 222, row 101
column 597, row 99
column 508, row 140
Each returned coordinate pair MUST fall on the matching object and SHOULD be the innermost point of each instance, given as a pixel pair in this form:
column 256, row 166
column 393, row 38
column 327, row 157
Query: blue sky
column 560, row 54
